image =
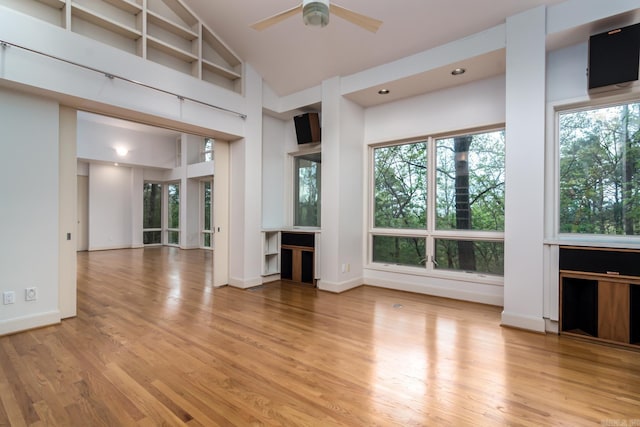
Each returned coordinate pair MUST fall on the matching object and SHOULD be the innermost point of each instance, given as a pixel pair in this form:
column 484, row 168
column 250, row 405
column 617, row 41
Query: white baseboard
column 108, row 248
column 245, row 284
column 20, row 324
column 530, row 323
column 270, row 278
column 551, row 326
column 338, row 287
column 436, row 291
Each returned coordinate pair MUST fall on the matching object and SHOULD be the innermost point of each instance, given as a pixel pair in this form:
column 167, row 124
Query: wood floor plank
column 155, row 343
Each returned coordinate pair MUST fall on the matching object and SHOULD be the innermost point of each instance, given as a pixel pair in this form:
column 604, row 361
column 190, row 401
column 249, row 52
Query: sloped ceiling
column 291, row 57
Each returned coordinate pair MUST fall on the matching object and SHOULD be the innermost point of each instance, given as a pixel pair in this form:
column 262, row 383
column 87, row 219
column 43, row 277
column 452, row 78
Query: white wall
column 462, row 107
column 190, row 214
column 567, row 73
column 274, row 159
column 98, row 141
column 110, row 207
column 29, row 209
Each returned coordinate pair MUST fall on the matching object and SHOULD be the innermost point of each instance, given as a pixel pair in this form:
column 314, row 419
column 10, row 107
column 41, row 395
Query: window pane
column 206, row 197
column 173, row 216
column 600, row 170
column 207, row 150
column 307, row 188
column 173, row 237
column 399, row 250
column 152, row 237
column 470, row 256
column 207, row 240
column 152, row 205
column 400, row 174
column 470, row 182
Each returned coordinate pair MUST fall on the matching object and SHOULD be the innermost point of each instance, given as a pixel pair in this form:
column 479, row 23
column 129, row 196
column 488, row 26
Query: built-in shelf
column 182, row 55
column 166, row 32
column 217, row 69
column 58, row 4
column 104, row 22
column 170, row 26
column 126, row 5
column 175, row 8
column 215, row 45
column 271, row 255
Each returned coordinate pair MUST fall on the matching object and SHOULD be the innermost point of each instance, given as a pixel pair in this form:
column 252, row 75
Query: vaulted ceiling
column 291, row 57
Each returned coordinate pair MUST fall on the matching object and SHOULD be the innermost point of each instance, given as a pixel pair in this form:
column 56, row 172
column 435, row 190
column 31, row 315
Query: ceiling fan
column 316, row 13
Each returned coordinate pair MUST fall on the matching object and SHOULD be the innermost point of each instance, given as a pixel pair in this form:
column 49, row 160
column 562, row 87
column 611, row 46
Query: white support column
column 343, row 155
column 245, row 248
column 524, row 199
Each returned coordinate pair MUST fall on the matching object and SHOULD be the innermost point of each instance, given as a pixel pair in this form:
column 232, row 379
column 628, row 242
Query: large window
column 173, row 214
column 206, row 218
column 307, row 190
column 600, row 170
column 152, row 214
column 439, row 203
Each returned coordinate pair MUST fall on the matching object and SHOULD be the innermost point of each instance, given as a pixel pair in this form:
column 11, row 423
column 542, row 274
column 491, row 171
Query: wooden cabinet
column 162, row 31
column 598, row 302
column 297, row 254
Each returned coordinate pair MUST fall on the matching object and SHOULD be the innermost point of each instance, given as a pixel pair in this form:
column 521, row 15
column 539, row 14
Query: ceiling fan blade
column 272, row 20
column 369, row 24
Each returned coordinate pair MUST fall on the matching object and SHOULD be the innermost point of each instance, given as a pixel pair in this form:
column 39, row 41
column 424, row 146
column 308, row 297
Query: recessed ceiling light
column 458, row 71
column 383, row 92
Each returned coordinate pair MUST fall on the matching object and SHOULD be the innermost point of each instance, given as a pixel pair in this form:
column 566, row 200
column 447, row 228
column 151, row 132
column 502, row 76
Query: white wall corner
column 338, row 287
column 519, row 321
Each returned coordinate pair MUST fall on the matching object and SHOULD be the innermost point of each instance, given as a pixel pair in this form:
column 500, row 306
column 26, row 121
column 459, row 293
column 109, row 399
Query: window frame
column 292, row 190
column 429, row 233
column 204, row 152
column 552, row 171
column 162, row 208
column 167, row 230
column 203, row 230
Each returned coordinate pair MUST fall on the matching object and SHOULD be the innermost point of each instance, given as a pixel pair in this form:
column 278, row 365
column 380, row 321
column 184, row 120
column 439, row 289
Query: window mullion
column 431, row 201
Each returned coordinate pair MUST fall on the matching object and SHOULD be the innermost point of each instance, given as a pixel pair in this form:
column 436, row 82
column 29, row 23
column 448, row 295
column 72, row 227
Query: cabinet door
column 613, row 311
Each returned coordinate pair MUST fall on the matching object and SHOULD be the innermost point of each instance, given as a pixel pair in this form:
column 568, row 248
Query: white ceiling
column 291, row 57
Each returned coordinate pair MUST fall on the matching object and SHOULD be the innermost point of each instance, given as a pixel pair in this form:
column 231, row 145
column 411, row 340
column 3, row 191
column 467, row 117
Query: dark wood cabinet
column 598, row 302
column 297, row 255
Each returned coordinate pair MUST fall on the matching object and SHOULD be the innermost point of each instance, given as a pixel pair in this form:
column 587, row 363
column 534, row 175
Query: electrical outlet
column 31, row 294
column 8, row 297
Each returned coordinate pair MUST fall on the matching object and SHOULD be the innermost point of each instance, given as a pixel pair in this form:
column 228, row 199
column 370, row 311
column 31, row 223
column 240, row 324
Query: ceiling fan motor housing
column 316, row 12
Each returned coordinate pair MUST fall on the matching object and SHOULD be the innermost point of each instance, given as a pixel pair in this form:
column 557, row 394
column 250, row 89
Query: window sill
column 487, row 279
column 619, row 242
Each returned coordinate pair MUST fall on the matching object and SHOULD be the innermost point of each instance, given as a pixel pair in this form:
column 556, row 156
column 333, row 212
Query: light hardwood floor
column 155, row 344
